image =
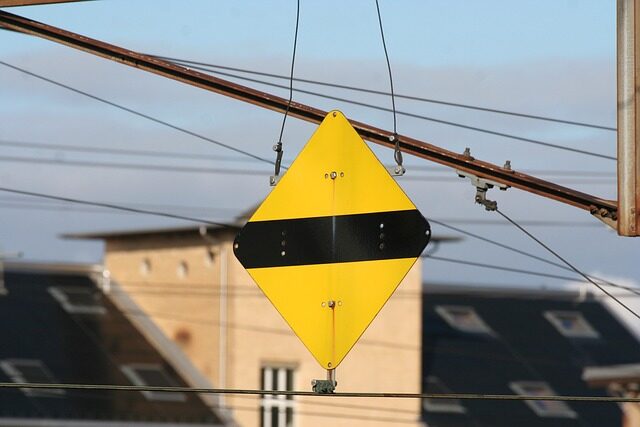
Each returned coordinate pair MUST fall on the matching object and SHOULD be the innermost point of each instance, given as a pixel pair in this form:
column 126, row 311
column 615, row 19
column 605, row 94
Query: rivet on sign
column 334, row 114
column 323, row 304
column 381, row 246
column 341, row 174
column 326, row 175
column 332, row 304
column 283, row 253
column 329, row 364
column 381, row 236
column 283, row 243
column 333, row 175
column 339, row 302
column 427, row 232
column 381, row 225
column 235, row 246
column 284, row 233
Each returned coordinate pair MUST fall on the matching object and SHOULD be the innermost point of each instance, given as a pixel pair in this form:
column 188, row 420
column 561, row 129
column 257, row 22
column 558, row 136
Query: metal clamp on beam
column 327, row 386
column 483, row 185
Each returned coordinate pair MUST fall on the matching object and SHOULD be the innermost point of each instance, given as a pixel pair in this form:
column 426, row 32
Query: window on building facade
column 571, row 324
column 145, row 267
column 152, row 374
column 182, row 270
column 31, row 371
column 463, row 318
column 209, row 258
column 451, row 406
column 78, row 300
column 276, row 411
column 543, row 408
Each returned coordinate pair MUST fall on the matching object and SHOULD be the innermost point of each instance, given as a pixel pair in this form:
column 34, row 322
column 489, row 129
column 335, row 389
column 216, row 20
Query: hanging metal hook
column 273, row 179
column 398, row 169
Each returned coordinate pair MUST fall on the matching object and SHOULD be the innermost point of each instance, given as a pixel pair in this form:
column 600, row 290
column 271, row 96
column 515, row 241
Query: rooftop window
column 451, row 406
column 30, row 371
column 571, row 324
column 543, row 408
column 151, row 374
column 78, row 300
column 463, row 318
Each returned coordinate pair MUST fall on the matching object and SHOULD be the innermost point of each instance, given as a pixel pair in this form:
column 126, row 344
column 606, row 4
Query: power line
column 414, row 115
column 235, row 171
column 551, row 251
column 386, row 55
column 135, row 112
column 117, row 207
column 521, row 271
column 159, row 121
column 397, row 95
column 193, row 156
column 384, row 395
column 511, row 248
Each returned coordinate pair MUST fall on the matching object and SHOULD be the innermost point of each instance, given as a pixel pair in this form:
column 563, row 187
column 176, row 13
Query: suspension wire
column 135, row 112
column 515, row 250
column 631, row 289
column 386, row 395
column 278, row 147
column 397, row 154
column 419, row 116
column 575, row 269
column 116, row 207
column 397, row 95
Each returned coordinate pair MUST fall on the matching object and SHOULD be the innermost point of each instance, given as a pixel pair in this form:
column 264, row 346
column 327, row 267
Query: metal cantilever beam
column 12, row 3
column 604, row 209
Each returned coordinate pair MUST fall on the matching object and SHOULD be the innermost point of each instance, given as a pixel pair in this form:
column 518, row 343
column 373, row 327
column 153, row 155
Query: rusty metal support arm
column 597, row 206
column 14, row 3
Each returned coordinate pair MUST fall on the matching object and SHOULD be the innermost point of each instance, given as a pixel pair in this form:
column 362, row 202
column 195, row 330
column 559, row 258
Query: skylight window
column 543, row 408
column 153, row 375
column 571, row 324
column 31, row 371
column 78, row 300
column 450, row 406
column 463, row 318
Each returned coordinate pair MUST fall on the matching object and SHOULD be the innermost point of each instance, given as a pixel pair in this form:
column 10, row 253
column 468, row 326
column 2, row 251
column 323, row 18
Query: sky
column 548, row 57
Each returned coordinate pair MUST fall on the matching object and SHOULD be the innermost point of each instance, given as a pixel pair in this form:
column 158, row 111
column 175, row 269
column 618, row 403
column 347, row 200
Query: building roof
column 524, row 341
column 60, row 327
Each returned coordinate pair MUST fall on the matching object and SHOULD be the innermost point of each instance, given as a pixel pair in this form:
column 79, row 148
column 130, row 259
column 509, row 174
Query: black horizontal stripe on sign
column 332, row 239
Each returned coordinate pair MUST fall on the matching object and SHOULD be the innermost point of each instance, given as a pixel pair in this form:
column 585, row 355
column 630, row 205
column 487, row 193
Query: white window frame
column 269, row 401
column 59, row 293
column 448, row 406
column 131, row 372
column 11, row 367
column 561, row 410
column 480, row 326
column 586, row 330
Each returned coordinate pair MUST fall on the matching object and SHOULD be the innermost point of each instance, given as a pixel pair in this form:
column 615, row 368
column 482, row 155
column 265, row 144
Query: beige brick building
column 189, row 283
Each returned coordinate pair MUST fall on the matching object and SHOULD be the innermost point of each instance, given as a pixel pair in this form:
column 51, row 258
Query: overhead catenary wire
column 390, row 73
column 135, row 112
column 116, row 207
column 385, row 395
column 397, row 95
column 418, row 116
column 235, row 171
column 222, row 158
column 568, row 264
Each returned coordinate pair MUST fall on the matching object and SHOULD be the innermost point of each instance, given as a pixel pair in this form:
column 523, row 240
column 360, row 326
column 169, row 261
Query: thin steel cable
column 554, row 253
column 420, row 117
column 135, row 112
column 112, row 206
column 522, row 271
column 511, row 248
column 386, row 55
column 389, row 395
column 397, row 95
column 293, row 62
column 221, row 158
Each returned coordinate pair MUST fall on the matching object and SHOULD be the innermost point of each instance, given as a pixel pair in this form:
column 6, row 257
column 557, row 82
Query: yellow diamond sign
column 332, row 241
